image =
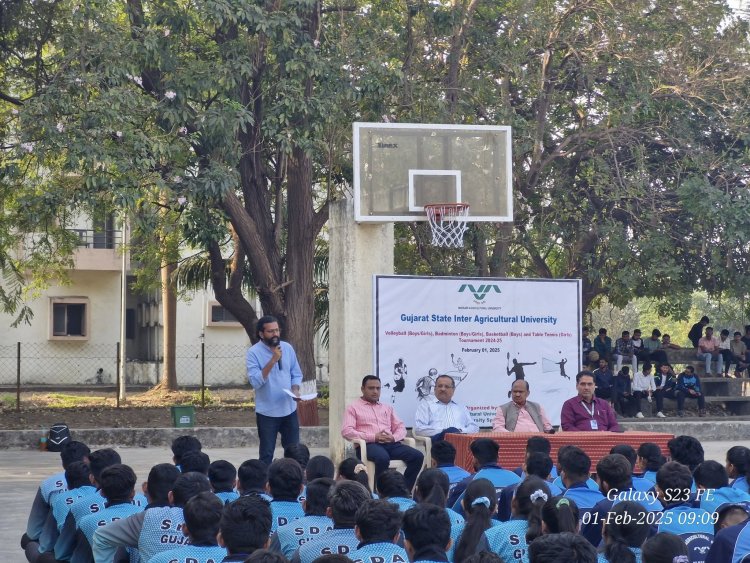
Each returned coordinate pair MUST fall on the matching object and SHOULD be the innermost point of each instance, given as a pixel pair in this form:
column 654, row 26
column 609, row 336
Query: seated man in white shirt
column 441, row 415
column 521, row 415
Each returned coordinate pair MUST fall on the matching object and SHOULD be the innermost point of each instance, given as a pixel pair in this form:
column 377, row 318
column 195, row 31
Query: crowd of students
column 638, row 507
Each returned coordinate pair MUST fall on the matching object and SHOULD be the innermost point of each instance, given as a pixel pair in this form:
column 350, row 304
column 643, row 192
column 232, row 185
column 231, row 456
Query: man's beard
column 272, row 342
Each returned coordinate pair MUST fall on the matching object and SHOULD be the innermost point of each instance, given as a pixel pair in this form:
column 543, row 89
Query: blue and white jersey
column 590, row 483
column 585, row 497
column 741, row 484
column 403, row 503
column 161, row 531
column 379, row 552
column 508, row 540
column 731, row 545
column 61, row 503
column 684, row 519
column 53, row 484
column 455, row 475
column 90, row 523
column 636, row 551
column 456, row 532
column 454, row 517
column 228, row 496
column 191, row 554
column 288, row 538
column 340, row 541
column 712, row 500
column 496, row 475
column 284, row 511
column 90, row 503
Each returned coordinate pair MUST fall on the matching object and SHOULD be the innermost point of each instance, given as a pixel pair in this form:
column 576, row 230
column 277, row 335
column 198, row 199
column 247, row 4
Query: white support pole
column 357, row 252
column 121, row 391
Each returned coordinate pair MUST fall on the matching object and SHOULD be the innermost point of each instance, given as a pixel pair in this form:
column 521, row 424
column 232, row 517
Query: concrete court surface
column 21, row 471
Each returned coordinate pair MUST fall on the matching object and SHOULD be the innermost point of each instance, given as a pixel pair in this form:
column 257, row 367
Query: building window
column 219, row 316
column 70, row 318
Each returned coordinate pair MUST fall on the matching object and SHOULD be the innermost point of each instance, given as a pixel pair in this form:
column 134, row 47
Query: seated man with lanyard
column 585, row 412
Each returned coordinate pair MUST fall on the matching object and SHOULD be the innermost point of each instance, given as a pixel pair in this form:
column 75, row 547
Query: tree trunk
column 169, row 330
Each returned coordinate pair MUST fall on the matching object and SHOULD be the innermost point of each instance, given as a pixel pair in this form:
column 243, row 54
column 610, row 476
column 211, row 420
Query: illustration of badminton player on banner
column 484, row 333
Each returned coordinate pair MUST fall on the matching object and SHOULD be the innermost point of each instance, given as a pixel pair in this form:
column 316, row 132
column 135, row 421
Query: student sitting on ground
column 319, row 466
column 480, row 504
column 202, row 516
column 289, row 537
column 738, row 464
column 575, row 466
column 252, row 479
column 182, row 445
column 561, row 453
column 627, row 451
column 649, row 460
column 560, row 514
column 244, row 527
column 626, row 530
column 712, row 482
column 352, row 469
column 299, row 453
column 378, row 528
column 426, row 533
column 537, row 464
column 118, row 487
column 285, row 485
column 343, row 501
column 391, row 485
column 432, row 487
column 559, row 548
column 443, row 455
column 664, row 548
column 222, row 476
column 197, row 462
column 537, row 444
column 513, row 537
column 155, row 530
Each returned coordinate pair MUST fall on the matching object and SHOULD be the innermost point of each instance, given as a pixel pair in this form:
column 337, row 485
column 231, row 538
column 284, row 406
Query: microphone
column 280, row 368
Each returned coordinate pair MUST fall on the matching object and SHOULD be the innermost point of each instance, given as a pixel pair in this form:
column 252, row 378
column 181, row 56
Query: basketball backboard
column 401, row 167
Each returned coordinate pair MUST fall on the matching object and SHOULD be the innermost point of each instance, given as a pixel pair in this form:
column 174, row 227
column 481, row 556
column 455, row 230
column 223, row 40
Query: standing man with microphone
column 272, row 367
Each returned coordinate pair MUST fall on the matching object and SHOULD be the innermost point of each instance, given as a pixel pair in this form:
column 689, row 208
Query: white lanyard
column 593, row 408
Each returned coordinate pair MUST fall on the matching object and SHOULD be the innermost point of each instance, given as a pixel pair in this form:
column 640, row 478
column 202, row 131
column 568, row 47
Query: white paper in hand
column 307, row 397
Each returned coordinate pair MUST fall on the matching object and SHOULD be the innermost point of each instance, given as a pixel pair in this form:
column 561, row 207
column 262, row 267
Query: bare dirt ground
column 142, row 409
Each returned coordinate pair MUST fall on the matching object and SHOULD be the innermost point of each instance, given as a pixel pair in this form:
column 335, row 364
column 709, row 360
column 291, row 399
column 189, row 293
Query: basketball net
column 448, row 223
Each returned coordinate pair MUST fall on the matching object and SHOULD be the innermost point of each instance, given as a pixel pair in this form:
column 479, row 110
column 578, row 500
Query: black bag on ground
column 59, row 435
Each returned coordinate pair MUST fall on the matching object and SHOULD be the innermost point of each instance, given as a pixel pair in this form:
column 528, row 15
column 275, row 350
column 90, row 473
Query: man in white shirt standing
column 441, row 415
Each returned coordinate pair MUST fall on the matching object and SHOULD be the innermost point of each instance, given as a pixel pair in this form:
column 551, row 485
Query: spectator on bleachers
column 603, row 345
column 290, row 536
column 391, row 485
column 738, row 464
column 649, row 460
column 666, row 387
column 643, row 387
column 626, row 530
column 725, row 349
column 182, row 445
column 378, row 526
column 244, row 527
column 443, row 456
column 560, row 514
column 656, row 355
column 739, row 354
column 223, row 476
column 624, row 351
column 343, row 500
column 641, row 353
column 426, row 533
column 202, row 517
column 696, row 331
column 526, row 522
column 586, row 346
column 708, row 351
column 285, row 484
column 689, row 387
column 604, row 380
column 556, row 548
column 664, row 548
column 252, row 478
column 667, row 344
column 624, row 401
column 586, row 412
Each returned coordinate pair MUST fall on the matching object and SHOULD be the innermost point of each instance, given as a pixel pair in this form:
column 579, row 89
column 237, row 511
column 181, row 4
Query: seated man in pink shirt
column 375, row 423
column 585, row 411
column 521, row 415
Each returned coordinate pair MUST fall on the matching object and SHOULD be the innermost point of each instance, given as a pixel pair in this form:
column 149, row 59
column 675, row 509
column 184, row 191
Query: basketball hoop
column 448, row 223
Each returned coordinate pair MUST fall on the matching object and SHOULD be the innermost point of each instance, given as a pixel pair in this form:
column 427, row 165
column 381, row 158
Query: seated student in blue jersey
column 558, row 482
column 202, row 516
column 485, row 453
column 694, row 525
column 427, row 532
column 443, row 456
column 48, row 488
column 378, row 527
column 432, row 488
column 560, row 514
column 244, row 527
column 118, row 487
column 713, row 488
column 687, row 451
column 649, row 460
column 391, row 486
column 664, row 548
column 197, row 462
column 223, row 477
column 252, row 479
column 479, row 505
column 732, row 540
column 558, row 548
column 510, row 539
column 738, row 464
column 344, row 499
column 626, row 530
column 575, row 466
column 289, row 537
column 155, row 530
column 537, row 464
column 626, row 450
column 285, row 485
column 614, row 474
column 181, row 446
column 537, row 444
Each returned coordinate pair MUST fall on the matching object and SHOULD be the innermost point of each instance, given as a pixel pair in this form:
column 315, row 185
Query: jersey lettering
column 166, row 524
column 340, row 549
column 514, row 539
column 281, row 520
column 69, row 500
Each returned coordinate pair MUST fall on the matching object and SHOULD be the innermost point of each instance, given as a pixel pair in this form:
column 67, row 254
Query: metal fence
column 30, row 366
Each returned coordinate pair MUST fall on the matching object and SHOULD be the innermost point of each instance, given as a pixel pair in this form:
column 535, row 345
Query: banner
column 483, row 332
